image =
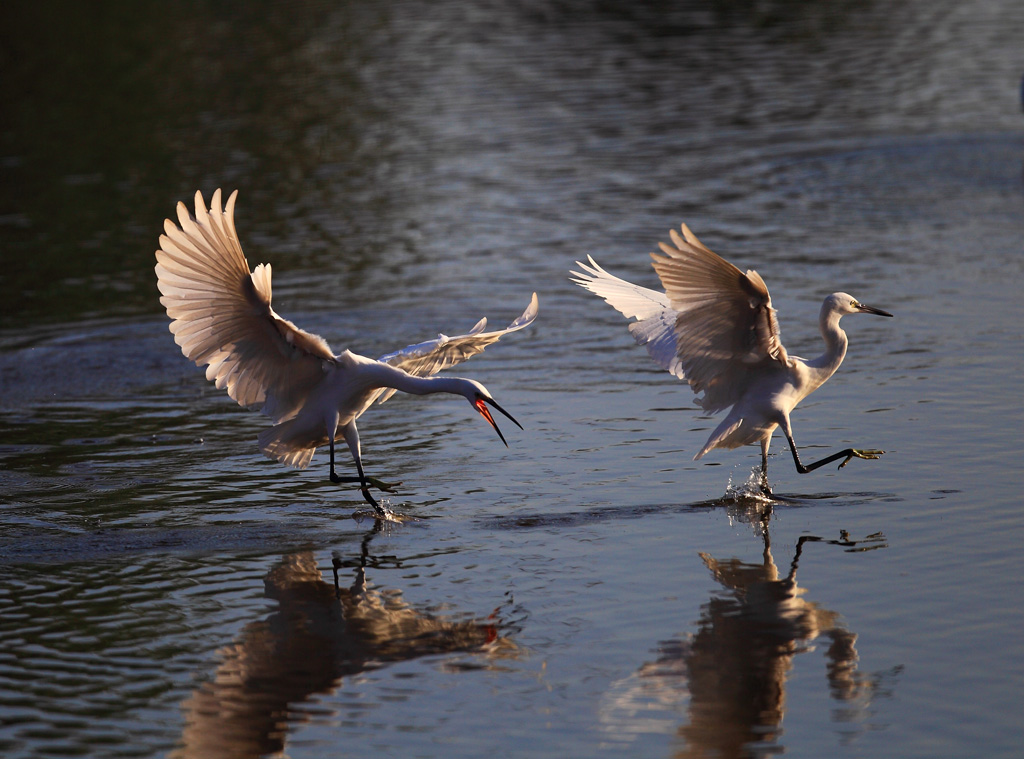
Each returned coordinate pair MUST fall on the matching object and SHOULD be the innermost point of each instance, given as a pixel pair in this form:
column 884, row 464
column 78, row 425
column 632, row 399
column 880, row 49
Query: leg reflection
column 730, row 677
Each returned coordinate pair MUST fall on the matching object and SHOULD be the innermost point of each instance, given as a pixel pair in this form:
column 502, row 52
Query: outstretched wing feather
column 655, row 325
column 709, row 326
column 725, row 322
column 222, row 317
column 433, row 356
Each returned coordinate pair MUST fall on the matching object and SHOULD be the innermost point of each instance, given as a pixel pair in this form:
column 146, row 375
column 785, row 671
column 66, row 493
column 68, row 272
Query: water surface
column 408, row 168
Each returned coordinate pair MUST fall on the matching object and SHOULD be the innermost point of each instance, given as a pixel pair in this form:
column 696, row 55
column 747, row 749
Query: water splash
column 389, row 517
column 747, row 491
column 746, row 503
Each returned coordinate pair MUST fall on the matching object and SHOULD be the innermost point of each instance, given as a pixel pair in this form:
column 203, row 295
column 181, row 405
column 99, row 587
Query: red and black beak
column 480, row 404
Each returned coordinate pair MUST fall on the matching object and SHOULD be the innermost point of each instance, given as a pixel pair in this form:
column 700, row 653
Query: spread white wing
column 433, row 356
column 655, row 325
column 221, row 314
column 709, row 327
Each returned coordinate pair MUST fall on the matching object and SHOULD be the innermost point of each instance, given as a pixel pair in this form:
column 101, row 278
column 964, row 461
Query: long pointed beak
column 871, row 310
column 481, row 405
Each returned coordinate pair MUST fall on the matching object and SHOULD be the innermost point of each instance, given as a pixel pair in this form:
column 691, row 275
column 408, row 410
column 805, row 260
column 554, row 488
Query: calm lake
column 409, row 167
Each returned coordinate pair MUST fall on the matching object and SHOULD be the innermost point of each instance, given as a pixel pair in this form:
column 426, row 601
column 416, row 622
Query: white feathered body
column 350, row 385
column 343, row 395
column 758, row 412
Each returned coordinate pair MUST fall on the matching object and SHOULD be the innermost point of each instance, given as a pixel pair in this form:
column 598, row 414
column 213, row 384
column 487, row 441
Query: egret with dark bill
column 715, row 328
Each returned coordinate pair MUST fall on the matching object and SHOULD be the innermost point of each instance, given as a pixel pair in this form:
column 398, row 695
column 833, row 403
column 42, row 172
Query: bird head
column 480, row 399
column 844, row 303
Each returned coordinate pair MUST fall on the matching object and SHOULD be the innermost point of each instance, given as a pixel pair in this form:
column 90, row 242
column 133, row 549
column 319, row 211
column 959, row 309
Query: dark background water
column 408, row 167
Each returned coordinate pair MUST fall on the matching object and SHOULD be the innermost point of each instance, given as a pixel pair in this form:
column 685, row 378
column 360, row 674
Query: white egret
column 715, row 327
column 222, row 318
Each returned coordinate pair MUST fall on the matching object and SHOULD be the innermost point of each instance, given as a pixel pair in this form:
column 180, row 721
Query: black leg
column 364, row 484
column 764, row 472
column 347, row 478
column 334, row 477
column 364, row 487
column 846, row 455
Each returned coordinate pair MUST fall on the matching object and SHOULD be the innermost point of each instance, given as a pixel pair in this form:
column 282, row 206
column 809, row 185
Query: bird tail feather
column 287, row 443
column 725, row 436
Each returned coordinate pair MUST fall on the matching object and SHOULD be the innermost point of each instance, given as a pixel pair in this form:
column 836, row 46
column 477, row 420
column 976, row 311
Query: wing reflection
column 730, row 677
column 320, row 633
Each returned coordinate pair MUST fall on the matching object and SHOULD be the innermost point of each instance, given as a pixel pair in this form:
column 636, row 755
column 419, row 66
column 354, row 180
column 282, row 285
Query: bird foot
column 866, row 453
column 366, row 482
column 382, row 486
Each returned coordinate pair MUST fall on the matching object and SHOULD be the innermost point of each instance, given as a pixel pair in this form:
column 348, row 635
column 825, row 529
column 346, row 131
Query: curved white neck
column 389, row 376
column 835, row 343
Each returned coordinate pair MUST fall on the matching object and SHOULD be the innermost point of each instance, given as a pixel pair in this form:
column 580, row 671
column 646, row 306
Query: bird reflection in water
column 730, row 677
column 319, row 633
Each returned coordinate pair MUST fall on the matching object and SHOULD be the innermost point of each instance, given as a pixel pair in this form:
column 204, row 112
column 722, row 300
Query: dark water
column 407, row 168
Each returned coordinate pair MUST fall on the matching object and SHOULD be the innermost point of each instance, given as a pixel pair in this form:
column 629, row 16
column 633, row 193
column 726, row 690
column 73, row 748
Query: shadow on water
column 742, row 504
column 319, row 633
column 41, row 547
column 723, row 689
